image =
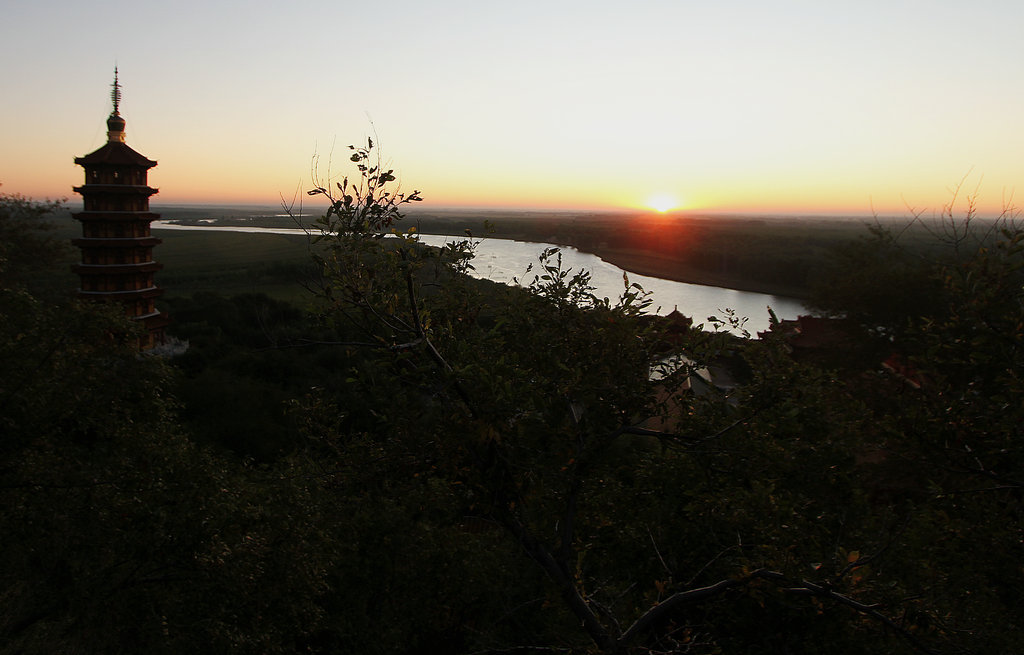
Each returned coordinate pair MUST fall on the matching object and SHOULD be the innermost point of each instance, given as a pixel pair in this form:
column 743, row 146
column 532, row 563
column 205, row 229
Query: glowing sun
column 662, row 202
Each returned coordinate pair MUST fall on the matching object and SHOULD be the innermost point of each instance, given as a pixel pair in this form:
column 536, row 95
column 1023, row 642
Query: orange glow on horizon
column 508, row 188
column 662, row 202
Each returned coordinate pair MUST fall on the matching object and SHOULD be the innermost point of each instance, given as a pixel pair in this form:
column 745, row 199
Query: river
column 502, row 259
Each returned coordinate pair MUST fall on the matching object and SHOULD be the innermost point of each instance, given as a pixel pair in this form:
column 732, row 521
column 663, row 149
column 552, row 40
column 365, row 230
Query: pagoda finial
column 115, row 94
column 115, row 124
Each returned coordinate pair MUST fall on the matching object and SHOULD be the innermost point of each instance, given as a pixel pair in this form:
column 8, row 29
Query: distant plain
column 779, row 255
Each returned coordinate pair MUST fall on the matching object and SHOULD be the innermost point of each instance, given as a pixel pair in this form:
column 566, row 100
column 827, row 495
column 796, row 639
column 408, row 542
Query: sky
column 741, row 106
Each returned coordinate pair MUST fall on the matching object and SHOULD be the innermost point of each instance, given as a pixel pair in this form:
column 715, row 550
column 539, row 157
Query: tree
column 945, row 437
column 523, row 411
column 29, row 254
column 120, row 535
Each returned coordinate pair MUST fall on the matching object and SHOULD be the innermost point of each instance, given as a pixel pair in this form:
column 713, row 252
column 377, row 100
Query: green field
column 228, row 263
column 778, row 255
column 231, row 263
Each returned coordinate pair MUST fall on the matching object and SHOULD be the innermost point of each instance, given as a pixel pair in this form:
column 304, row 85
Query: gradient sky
column 733, row 106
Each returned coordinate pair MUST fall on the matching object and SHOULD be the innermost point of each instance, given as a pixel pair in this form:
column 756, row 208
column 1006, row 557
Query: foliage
column 945, row 451
column 120, row 535
column 527, row 410
column 470, row 467
column 878, row 284
column 244, row 364
column 29, row 254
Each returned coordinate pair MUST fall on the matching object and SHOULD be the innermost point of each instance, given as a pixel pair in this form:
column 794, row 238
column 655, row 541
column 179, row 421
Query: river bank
column 773, row 255
column 668, row 268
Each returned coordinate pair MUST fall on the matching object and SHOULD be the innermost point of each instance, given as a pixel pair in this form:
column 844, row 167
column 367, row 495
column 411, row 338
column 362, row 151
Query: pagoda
column 117, row 245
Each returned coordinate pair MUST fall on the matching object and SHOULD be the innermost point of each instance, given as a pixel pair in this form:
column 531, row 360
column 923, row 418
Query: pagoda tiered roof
column 117, row 154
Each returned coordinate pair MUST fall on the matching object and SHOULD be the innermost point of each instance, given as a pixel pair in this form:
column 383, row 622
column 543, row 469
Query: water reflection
column 501, row 260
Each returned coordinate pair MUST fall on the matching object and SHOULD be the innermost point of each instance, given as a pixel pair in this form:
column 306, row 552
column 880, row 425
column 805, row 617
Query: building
column 117, row 246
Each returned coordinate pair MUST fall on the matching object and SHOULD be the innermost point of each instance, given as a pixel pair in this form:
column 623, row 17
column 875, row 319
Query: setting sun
column 662, row 202
column 708, row 124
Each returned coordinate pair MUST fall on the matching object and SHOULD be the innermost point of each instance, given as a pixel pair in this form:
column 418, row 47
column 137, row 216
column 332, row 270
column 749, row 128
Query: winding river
column 501, row 260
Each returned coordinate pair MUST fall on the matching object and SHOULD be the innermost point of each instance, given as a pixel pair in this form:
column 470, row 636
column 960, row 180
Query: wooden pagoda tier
column 117, row 245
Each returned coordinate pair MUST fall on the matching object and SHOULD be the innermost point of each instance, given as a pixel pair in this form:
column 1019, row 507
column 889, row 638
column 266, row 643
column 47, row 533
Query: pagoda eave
column 155, row 321
column 120, row 189
column 125, row 242
column 90, row 215
column 115, row 154
column 130, row 294
column 105, row 269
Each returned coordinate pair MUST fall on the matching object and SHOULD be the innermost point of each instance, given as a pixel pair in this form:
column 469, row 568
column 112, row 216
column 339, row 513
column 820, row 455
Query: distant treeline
column 781, row 256
column 778, row 256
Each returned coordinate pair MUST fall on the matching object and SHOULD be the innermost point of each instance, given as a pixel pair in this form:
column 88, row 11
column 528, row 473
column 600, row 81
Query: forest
column 415, row 461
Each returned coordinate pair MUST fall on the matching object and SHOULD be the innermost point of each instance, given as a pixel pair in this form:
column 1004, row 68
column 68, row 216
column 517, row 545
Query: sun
column 662, row 202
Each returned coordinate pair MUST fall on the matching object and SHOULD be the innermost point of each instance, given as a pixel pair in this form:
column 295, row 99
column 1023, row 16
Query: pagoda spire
column 115, row 94
column 115, row 124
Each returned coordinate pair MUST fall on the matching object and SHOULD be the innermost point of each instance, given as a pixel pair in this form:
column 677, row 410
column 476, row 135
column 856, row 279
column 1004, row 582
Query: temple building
column 117, row 245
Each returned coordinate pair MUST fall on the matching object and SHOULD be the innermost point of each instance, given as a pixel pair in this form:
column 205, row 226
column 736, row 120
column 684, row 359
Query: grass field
column 228, row 263
column 768, row 254
column 232, row 263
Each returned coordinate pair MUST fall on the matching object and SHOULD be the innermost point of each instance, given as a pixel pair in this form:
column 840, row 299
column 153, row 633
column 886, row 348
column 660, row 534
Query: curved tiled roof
column 115, row 153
